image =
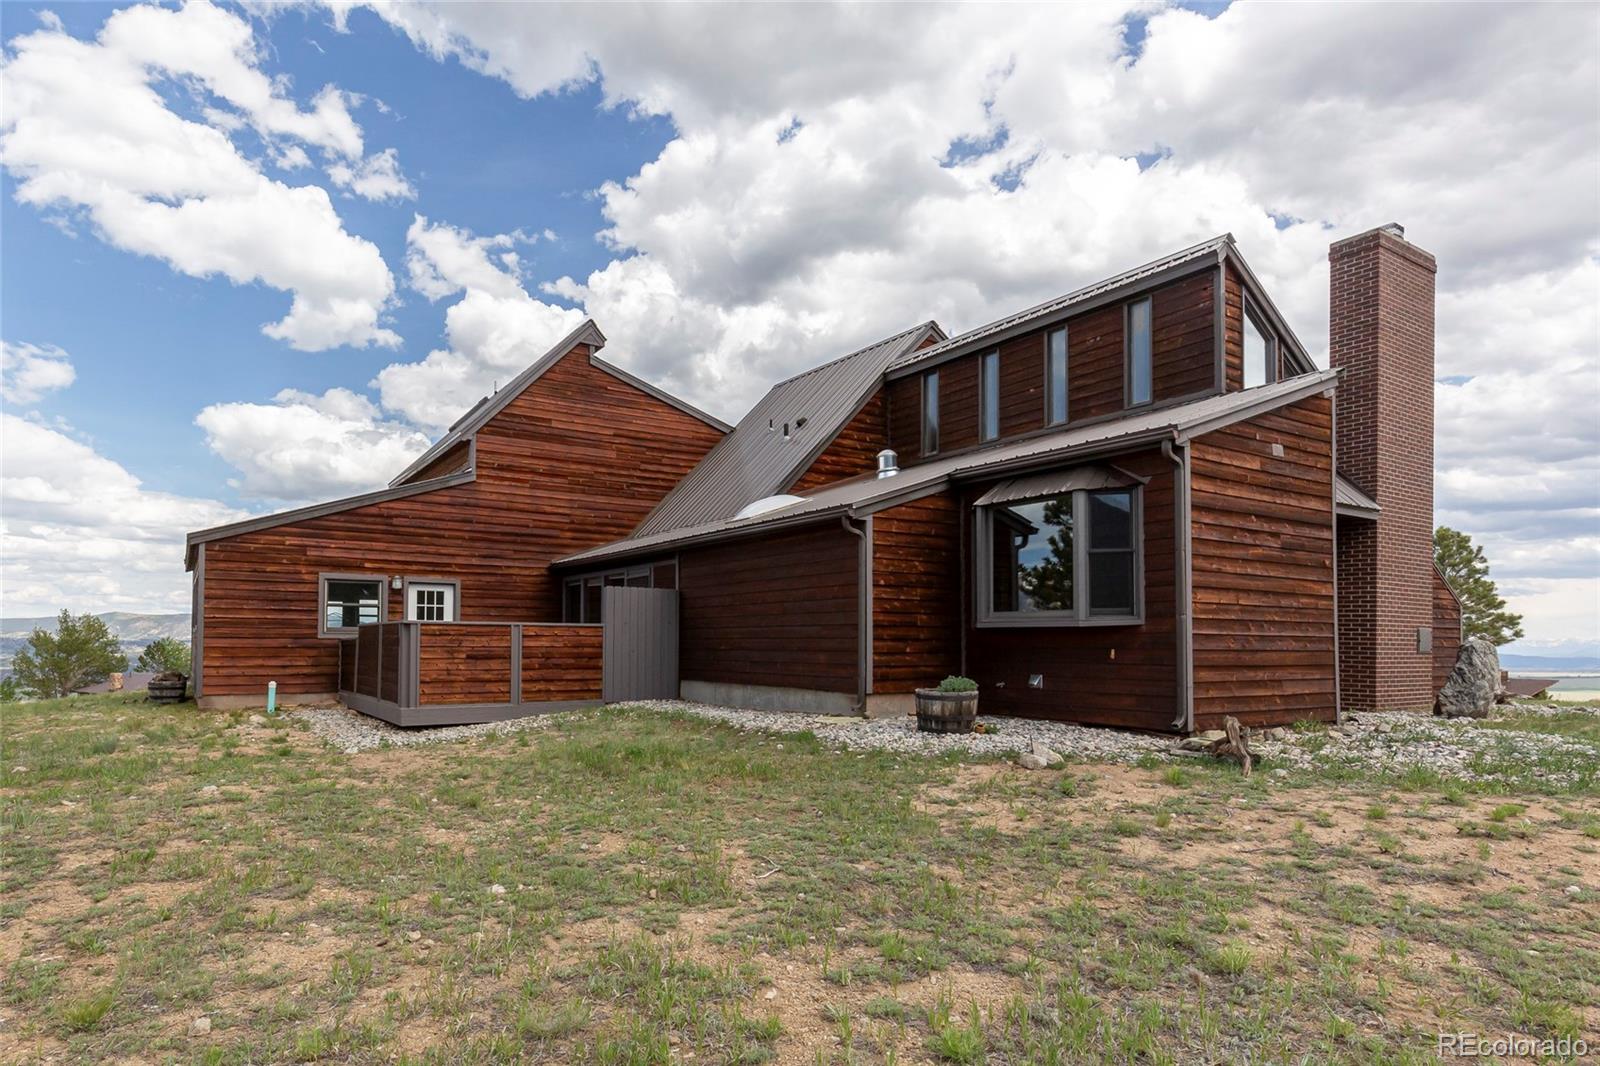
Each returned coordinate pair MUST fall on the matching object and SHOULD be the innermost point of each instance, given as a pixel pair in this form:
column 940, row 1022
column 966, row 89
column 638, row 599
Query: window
column 431, row 601
column 1068, row 558
column 347, row 601
column 1055, row 371
column 930, row 412
column 989, row 395
column 1260, row 352
column 582, row 597
column 1139, row 352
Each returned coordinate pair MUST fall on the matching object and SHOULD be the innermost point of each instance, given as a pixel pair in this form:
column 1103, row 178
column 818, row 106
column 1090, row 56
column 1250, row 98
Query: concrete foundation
column 891, row 705
column 768, row 697
column 285, row 699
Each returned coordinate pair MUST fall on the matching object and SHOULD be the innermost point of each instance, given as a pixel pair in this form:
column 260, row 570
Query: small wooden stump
column 1234, row 745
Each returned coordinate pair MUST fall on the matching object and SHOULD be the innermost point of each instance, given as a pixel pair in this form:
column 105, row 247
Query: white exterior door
column 430, row 602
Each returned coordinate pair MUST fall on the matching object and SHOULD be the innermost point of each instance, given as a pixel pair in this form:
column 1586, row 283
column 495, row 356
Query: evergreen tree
column 1483, row 610
column 1048, row 582
column 10, row 691
column 80, row 652
column 164, row 655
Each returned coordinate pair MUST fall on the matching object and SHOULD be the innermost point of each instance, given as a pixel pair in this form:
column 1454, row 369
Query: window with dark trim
column 1260, row 351
column 989, row 395
column 345, row 601
column 1055, row 376
column 581, row 597
column 930, row 412
column 1139, row 361
column 1068, row 559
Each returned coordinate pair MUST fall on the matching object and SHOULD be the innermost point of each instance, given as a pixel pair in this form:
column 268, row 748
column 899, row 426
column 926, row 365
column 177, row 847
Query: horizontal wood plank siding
column 561, row 663
column 777, row 610
column 1183, row 358
column 1233, row 331
column 463, row 664
column 1122, row 675
column 853, row 450
column 575, row 461
column 1262, row 565
column 916, row 594
column 1446, row 631
column 452, row 461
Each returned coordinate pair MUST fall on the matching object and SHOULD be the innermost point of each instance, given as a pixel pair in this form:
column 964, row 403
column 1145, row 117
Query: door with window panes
column 428, row 601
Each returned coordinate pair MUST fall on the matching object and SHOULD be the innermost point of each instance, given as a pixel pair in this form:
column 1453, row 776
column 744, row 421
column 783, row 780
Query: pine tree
column 164, row 655
column 80, row 652
column 1483, row 610
column 1048, row 582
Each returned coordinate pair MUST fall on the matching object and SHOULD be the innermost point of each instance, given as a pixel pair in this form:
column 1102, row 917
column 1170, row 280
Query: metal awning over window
column 1055, row 482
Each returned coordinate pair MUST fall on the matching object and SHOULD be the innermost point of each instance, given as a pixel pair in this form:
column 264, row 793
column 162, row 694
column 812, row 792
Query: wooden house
column 1139, row 504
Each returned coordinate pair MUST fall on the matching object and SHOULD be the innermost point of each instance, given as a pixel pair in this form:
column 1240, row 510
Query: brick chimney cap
column 1394, row 229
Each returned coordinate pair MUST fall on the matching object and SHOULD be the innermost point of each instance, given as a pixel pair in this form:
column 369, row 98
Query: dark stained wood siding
column 916, row 594
column 780, row 610
column 575, row 461
column 853, row 450
column 463, row 664
column 1446, row 631
column 1123, row 675
column 1262, row 566
column 561, row 662
column 453, row 461
column 1184, row 358
column 1233, row 332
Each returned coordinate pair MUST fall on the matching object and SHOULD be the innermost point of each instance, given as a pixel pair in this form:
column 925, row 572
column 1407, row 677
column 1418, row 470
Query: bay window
column 1060, row 549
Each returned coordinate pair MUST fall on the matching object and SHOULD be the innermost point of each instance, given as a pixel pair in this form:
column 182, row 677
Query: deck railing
column 441, row 673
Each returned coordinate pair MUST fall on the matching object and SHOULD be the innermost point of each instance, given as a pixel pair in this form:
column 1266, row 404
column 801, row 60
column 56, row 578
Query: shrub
column 958, row 684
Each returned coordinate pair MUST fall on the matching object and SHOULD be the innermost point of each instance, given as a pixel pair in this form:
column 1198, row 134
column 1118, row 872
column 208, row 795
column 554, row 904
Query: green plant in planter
column 958, row 684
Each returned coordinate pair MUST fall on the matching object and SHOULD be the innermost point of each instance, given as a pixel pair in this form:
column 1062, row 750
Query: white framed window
column 1260, row 351
column 1139, row 342
column 930, row 412
column 989, row 396
column 1067, row 558
column 431, row 601
column 345, row 601
column 1055, row 376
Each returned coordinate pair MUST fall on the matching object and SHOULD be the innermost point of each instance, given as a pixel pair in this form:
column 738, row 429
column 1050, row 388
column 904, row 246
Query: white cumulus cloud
column 85, row 128
column 28, row 371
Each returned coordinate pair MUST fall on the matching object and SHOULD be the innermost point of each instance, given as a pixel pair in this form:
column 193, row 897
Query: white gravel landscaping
column 1386, row 741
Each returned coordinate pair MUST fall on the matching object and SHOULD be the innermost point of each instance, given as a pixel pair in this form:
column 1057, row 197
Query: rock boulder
column 1474, row 682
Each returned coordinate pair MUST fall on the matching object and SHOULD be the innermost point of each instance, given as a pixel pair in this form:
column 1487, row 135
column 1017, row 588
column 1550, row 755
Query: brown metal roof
column 781, row 436
column 868, row 493
column 1528, row 686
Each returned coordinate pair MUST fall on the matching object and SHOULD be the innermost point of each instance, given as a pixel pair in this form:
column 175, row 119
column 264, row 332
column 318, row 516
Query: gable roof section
column 489, row 406
column 869, row 493
column 1207, row 254
column 758, row 459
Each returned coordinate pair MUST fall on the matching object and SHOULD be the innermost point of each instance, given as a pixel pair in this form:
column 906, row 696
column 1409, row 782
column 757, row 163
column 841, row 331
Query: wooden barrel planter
column 167, row 688
column 946, row 712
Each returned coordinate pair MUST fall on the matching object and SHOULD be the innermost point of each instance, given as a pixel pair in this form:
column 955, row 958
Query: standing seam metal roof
column 755, row 461
column 1180, row 422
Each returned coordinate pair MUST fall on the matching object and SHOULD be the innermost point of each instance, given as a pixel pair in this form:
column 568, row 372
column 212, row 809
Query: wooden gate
column 641, row 644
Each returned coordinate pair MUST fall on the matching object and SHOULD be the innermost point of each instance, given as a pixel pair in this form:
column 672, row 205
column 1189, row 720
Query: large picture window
column 1260, row 352
column 1070, row 557
column 346, row 601
column 582, row 597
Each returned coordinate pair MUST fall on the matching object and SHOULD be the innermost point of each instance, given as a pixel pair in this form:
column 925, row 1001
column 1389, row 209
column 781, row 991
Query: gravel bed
column 1385, row 741
column 352, row 732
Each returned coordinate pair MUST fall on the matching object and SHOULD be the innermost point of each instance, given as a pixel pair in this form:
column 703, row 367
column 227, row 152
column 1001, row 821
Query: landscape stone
column 1029, row 761
column 1051, row 758
column 1474, row 681
column 200, row 1026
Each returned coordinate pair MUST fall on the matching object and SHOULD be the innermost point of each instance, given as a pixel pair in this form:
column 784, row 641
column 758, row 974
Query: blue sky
column 256, row 257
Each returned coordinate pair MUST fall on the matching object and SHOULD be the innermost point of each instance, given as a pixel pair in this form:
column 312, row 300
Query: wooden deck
column 458, row 673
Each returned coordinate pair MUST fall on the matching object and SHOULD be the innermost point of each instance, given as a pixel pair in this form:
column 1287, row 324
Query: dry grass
column 675, row 891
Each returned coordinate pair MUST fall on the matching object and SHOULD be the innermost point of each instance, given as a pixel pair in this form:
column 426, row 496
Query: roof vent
column 888, row 463
column 767, row 503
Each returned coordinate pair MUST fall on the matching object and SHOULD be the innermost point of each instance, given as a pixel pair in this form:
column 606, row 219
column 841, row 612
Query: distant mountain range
column 1550, row 664
column 134, row 631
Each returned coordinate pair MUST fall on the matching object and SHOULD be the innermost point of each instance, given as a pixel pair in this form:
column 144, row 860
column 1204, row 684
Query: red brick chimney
column 1381, row 337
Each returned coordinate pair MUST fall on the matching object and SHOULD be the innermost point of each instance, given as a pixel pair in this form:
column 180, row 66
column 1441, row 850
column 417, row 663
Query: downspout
column 863, row 609
column 1184, row 583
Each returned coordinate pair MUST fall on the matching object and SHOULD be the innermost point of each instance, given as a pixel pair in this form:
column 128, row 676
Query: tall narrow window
column 989, row 392
column 1056, row 376
column 1260, row 353
column 930, row 412
column 1111, row 553
column 1139, row 352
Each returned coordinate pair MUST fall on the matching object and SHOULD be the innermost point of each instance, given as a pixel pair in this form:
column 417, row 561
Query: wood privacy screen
column 408, row 665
